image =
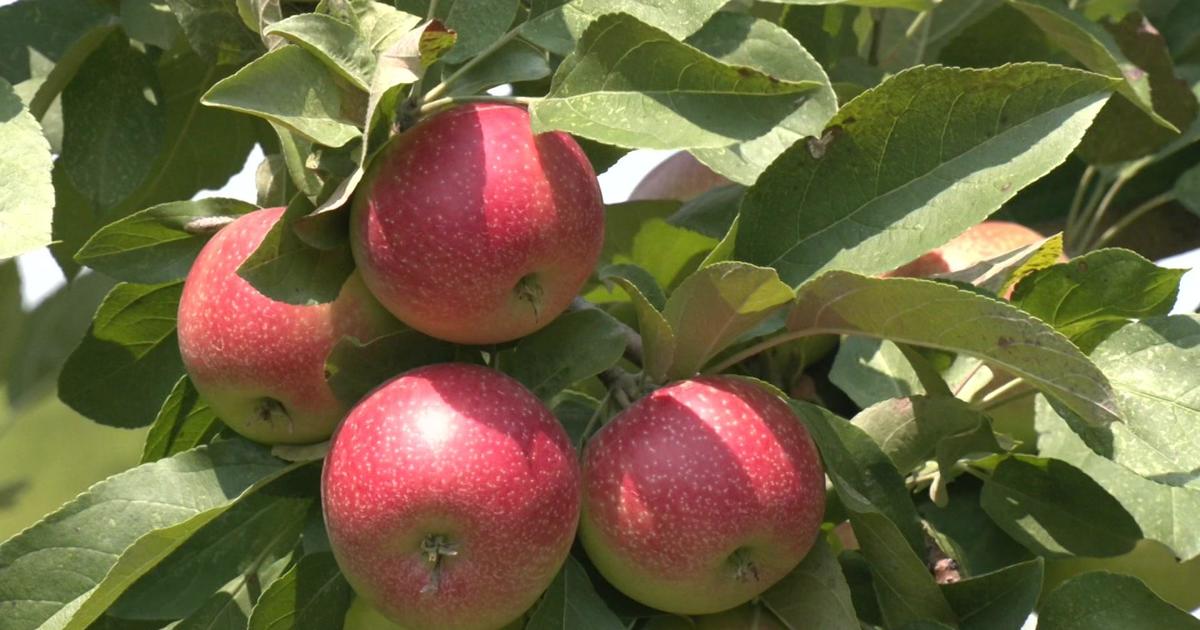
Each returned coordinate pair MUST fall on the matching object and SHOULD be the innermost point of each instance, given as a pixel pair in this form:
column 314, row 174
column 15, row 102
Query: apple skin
column 463, row 454
column 470, row 228
column 980, row 242
column 259, row 363
column 701, row 495
column 680, row 177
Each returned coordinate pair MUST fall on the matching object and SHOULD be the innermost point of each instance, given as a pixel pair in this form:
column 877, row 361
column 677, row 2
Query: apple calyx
column 529, row 289
column 436, row 548
column 744, row 569
column 268, row 409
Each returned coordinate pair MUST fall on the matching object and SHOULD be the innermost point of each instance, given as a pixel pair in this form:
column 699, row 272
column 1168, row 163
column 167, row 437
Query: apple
column 680, row 177
column 701, row 495
column 259, row 363
column 980, row 242
column 472, row 229
column 451, row 497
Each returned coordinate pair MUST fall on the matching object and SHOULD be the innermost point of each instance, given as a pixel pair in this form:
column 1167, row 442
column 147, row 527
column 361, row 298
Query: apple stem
column 436, row 548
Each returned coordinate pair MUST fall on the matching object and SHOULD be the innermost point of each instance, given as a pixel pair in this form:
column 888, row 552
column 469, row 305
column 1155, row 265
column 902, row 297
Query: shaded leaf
column 215, row 30
column 872, row 371
column 516, row 61
column 909, row 430
column 573, row 347
column 572, row 602
column 312, row 594
column 355, row 367
column 129, row 360
column 875, row 192
column 1107, row 601
column 1000, row 600
column 286, row 266
column 183, row 423
column 1002, row 273
column 632, row 85
column 658, row 338
column 150, row 21
column 964, row 531
column 477, row 23
column 558, row 28
column 814, row 594
column 335, row 43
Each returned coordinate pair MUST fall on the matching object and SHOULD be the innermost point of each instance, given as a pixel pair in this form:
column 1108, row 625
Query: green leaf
column 150, row 21
column 712, row 213
column 48, row 76
column 658, row 338
column 1093, row 47
column 1003, row 272
column 1121, row 132
column 184, row 422
column 156, row 244
column 743, row 40
column 286, row 268
column 623, row 221
column 290, row 87
column 477, row 23
column 12, row 315
column 355, row 367
column 632, row 85
column 577, row 412
column 313, row 594
column 940, row 316
column 216, row 31
column 860, row 468
column 1151, row 364
column 875, row 192
column 558, row 28
column 572, row 602
column 573, row 347
column 1187, row 189
column 169, row 572
column 226, row 609
column 26, row 194
column 335, row 43
column 516, row 61
column 912, row 5
column 967, row 534
column 1054, row 509
column 50, row 334
column 1100, row 287
column 38, row 34
column 716, row 305
column 1164, row 513
column 997, row 601
column 129, row 360
column 669, row 253
column 630, row 274
column 48, row 570
column 909, row 430
column 114, row 122
column 814, row 594
column 872, row 371
column 1107, row 601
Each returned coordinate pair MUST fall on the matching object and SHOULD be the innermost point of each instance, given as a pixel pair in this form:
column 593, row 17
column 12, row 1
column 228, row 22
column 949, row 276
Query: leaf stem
column 432, row 13
column 440, row 89
column 1085, row 182
column 1098, row 215
column 1133, row 215
column 441, row 103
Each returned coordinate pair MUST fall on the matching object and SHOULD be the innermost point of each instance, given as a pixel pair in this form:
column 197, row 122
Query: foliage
column 972, row 437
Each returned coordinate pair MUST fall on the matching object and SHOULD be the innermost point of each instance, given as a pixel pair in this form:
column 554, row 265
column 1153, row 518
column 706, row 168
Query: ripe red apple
column 701, row 495
column 980, row 242
column 451, row 497
column 472, row 229
column 680, row 176
column 260, row 364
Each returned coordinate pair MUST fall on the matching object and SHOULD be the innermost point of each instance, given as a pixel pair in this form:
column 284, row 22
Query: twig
column 1098, row 216
column 1133, row 215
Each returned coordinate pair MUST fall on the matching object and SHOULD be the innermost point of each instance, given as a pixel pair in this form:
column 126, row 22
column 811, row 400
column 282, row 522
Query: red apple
column 980, row 242
column 472, row 229
column 451, row 497
column 260, row 364
column 701, row 495
column 681, row 177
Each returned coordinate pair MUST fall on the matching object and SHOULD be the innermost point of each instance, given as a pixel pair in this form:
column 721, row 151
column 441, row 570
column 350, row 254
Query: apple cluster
column 452, row 495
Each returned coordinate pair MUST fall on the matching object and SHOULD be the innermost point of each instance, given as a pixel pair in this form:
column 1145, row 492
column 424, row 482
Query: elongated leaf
column 47, row 570
column 183, row 423
column 573, row 347
column 669, row 253
column 1054, row 509
column 129, row 360
column 516, row 61
column 169, row 572
column 871, row 371
column 814, row 594
column 226, row 609
column 909, row 430
column 1151, row 364
column 1107, row 601
column 1164, row 513
column 558, row 28
column 290, row 87
column 940, row 316
column 156, row 244
column 632, row 85
column 288, row 268
column 1111, row 285
column 1093, row 47
column 743, row 40
column 1002, row 273
column 215, row 30
column 876, row 191
column 998, row 600
column 572, row 602
column 355, row 367
column 26, row 194
column 658, row 338
column 715, row 305
column 313, row 594
column 333, row 42
column 964, row 531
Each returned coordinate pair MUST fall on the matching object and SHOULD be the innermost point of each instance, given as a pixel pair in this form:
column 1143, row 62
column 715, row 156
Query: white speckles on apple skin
column 460, row 208
column 687, row 476
column 466, row 453
column 240, row 346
